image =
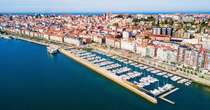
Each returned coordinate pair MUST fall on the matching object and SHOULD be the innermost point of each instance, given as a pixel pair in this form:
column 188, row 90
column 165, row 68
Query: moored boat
column 52, row 49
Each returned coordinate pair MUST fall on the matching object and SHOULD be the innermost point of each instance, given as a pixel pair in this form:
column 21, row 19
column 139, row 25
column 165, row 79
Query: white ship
column 52, row 49
column 4, row 37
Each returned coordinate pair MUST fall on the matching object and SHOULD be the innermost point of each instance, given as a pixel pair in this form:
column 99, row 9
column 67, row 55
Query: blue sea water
column 31, row 79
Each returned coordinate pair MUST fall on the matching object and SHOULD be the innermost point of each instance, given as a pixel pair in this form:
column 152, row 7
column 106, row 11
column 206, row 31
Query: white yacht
column 52, row 49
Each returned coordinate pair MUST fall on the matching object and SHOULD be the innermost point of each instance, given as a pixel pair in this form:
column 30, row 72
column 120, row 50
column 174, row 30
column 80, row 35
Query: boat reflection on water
column 51, row 56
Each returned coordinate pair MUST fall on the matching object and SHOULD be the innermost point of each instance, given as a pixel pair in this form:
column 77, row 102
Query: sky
column 104, row 5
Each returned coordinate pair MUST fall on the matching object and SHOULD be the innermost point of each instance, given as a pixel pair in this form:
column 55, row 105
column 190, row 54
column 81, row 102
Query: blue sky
column 103, row 5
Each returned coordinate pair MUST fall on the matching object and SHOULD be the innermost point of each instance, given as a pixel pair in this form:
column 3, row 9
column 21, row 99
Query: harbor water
column 32, row 79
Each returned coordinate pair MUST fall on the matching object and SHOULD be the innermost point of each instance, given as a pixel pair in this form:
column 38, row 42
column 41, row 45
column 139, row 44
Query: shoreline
column 100, row 71
column 32, row 41
column 18, row 37
column 193, row 78
column 109, row 76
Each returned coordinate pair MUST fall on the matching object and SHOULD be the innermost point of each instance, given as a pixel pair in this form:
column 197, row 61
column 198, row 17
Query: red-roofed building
column 160, row 37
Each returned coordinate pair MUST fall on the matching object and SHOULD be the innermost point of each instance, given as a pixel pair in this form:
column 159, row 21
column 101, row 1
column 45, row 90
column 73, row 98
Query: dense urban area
column 152, row 55
column 178, row 42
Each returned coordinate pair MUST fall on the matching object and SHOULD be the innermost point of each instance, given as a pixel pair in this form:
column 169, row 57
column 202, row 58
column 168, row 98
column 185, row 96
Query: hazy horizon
column 16, row 6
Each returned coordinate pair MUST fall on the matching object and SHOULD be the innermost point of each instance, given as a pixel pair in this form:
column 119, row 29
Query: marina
column 114, row 75
column 152, row 81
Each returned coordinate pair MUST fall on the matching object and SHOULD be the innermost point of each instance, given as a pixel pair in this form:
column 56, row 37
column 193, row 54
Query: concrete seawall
column 32, row 41
column 108, row 75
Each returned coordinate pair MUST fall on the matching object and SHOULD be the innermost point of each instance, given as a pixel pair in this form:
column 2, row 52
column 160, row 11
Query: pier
column 168, row 93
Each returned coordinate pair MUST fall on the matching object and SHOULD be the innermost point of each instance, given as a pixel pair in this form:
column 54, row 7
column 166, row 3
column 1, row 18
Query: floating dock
column 168, row 93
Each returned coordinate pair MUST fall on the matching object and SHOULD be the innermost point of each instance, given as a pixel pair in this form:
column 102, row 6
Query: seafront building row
column 163, row 51
column 141, row 34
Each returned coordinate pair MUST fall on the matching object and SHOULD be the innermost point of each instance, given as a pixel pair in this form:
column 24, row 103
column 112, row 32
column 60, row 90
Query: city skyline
column 127, row 59
column 105, row 6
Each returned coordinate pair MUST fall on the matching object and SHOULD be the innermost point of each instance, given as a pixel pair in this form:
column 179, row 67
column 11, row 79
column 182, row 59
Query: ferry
column 5, row 37
column 52, row 49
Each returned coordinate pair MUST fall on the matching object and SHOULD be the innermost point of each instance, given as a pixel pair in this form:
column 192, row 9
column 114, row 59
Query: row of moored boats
column 126, row 73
